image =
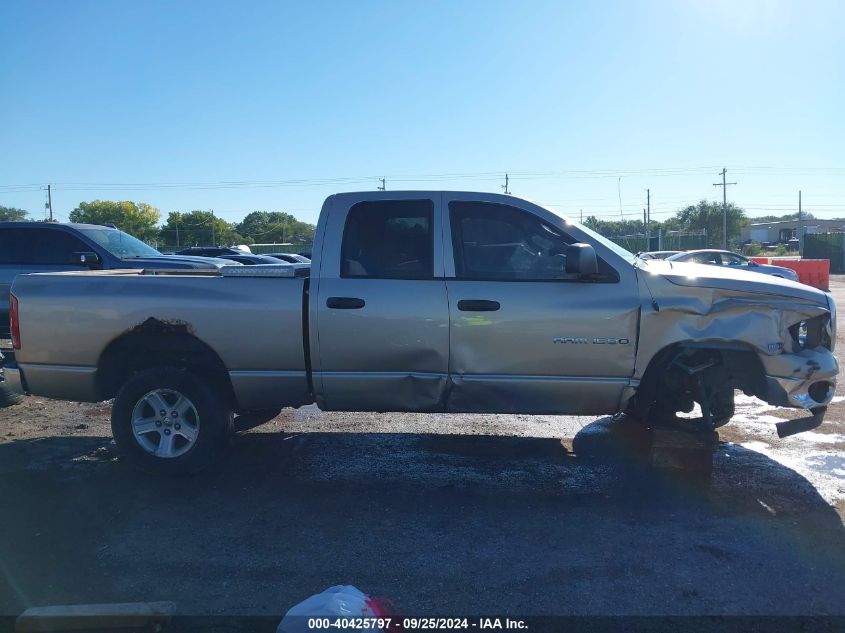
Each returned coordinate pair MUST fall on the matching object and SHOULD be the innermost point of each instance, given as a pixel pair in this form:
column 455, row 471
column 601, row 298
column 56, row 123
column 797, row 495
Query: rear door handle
column 478, row 305
column 344, row 303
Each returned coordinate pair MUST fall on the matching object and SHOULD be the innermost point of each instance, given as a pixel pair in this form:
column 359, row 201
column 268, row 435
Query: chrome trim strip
column 266, row 373
column 379, row 374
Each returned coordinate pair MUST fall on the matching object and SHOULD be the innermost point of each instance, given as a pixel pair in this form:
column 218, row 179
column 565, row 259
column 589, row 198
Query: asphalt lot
column 442, row 514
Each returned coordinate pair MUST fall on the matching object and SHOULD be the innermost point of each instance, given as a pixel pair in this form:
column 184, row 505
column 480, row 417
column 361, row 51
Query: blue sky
column 582, row 102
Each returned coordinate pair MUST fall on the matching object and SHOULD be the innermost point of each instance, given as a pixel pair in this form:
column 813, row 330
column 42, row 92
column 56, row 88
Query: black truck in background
column 33, row 247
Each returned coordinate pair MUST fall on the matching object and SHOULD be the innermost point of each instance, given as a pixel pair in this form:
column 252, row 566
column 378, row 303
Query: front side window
column 389, row 239
column 734, row 260
column 494, row 241
column 706, row 258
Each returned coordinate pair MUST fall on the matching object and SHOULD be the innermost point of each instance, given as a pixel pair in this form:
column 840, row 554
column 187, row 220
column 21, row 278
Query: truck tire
column 251, row 419
column 8, row 397
column 168, row 421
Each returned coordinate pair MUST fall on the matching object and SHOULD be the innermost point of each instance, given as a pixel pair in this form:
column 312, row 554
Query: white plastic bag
column 340, row 601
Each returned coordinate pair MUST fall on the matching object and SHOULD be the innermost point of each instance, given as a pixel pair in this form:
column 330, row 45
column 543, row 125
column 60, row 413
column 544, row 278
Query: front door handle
column 478, row 305
column 344, row 303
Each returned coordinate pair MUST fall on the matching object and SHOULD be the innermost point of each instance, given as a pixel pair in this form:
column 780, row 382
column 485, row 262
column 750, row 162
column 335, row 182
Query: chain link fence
column 663, row 241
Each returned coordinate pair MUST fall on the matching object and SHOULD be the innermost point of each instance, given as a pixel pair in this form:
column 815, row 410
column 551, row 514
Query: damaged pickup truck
column 420, row 301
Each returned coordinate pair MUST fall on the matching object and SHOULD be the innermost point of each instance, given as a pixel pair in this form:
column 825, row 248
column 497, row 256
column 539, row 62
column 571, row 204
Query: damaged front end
column 709, row 334
column 806, row 377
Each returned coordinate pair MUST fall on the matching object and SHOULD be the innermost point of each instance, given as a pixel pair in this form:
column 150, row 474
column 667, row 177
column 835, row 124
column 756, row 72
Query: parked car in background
column 657, row 254
column 232, row 254
column 209, row 251
column 30, row 247
column 734, row 261
column 291, row 258
column 248, row 259
column 426, row 301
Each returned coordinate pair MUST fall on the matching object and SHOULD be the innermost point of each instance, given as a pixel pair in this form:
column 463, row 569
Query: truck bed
column 252, row 319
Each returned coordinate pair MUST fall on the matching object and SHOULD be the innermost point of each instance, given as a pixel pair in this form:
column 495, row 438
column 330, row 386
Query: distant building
column 784, row 230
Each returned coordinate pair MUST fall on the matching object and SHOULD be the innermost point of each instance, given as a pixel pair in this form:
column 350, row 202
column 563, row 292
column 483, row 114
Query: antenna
column 383, row 185
column 619, row 192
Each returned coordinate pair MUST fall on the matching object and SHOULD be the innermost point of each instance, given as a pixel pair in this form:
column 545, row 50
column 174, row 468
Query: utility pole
column 800, row 227
column 177, row 233
column 724, row 186
column 213, row 238
column 383, row 185
column 648, row 217
column 645, row 232
column 505, row 186
column 582, row 216
column 50, row 201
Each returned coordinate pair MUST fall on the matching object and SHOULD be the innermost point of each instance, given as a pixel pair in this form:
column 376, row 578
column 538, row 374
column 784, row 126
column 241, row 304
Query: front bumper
column 806, row 380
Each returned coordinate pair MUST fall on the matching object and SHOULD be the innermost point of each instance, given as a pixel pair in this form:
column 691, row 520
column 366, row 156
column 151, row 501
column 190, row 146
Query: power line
column 656, row 172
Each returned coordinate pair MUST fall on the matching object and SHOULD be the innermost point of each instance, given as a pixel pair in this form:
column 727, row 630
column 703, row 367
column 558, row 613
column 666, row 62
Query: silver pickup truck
column 420, row 301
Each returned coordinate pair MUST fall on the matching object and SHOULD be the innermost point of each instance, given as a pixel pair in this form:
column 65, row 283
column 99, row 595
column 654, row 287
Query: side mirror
column 752, row 263
column 87, row 258
column 581, row 259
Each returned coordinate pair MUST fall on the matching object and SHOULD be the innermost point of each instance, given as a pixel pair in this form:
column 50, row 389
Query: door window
column 498, row 242
column 706, row 258
column 40, row 246
column 389, row 240
column 733, row 260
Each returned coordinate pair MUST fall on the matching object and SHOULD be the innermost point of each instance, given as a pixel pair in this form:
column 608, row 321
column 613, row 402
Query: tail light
column 14, row 322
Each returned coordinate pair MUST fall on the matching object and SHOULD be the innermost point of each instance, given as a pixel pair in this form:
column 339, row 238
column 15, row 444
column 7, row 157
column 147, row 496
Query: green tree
column 780, row 218
column 11, row 214
column 616, row 227
column 138, row 219
column 708, row 215
column 194, row 228
column 275, row 226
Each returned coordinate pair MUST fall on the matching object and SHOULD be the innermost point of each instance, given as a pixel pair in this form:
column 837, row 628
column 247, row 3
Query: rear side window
column 40, row 246
column 389, row 239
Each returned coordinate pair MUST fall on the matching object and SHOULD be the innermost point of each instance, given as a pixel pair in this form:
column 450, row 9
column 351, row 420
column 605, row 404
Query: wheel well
column 157, row 343
column 742, row 363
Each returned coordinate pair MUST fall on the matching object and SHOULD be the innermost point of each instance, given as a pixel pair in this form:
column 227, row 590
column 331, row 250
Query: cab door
column 526, row 335
column 381, row 315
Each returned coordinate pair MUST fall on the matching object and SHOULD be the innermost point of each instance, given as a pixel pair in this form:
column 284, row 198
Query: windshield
column 623, row 253
column 120, row 244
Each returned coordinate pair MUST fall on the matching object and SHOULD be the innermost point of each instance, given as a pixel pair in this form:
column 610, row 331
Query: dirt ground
column 443, row 514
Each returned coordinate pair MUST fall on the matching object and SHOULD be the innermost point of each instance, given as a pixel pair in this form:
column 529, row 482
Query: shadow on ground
column 440, row 524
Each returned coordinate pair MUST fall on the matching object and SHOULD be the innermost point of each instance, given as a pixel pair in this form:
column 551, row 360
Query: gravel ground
column 443, row 514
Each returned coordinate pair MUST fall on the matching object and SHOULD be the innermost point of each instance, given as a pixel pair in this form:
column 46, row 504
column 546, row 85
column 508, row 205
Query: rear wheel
column 168, row 420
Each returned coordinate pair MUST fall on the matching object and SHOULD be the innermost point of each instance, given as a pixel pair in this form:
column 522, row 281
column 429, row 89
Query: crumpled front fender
column 754, row 321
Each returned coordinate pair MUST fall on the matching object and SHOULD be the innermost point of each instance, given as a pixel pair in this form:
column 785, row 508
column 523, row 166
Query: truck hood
column 178, row 261
column 724, row 278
